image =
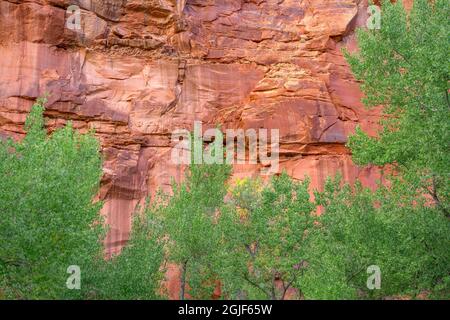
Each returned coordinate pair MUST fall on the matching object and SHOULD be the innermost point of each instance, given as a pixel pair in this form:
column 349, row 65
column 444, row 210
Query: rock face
column 138, row 70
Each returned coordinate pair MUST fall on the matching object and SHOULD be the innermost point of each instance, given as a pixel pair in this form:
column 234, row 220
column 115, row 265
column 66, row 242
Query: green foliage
column 392, row 228
column 265, row 231
column 136, row 273
column 50, row 222
column 188, row 220
column 404, row 67
column 48, row 218
column 265, row 239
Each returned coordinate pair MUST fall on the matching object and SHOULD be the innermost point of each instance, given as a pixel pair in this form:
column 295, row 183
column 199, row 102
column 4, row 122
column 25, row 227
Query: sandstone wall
column 143, row 68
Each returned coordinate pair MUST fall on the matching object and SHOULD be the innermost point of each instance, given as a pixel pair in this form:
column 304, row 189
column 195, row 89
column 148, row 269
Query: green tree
column 188, row 219
column 404, row 67
column 48, row 218
column 392, row 228
column 135, row 273
column 50, row 222
column 403, row 227
column 264, row 235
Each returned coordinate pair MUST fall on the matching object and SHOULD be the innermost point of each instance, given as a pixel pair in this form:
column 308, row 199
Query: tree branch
column 15, row 263
column 273, row 293
column 183, row 279
column 436, row 199
column 256, row 285
column 250, row 251
column 286, row 287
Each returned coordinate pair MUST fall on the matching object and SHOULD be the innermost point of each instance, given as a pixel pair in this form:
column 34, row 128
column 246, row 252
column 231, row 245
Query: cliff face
column 137, row 70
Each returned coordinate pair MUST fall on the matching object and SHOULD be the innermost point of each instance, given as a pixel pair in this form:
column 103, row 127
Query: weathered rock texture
column 140, row 69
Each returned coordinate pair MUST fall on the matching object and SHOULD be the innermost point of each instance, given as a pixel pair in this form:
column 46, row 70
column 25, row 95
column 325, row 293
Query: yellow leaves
column 241, row 182
column 242, row 213
column 244, row 185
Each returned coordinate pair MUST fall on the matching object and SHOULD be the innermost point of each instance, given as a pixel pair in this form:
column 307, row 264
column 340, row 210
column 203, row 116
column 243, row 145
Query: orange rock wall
column 143, row 68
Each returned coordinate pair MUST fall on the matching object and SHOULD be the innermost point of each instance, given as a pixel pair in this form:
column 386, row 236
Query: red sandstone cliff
column 142, row 68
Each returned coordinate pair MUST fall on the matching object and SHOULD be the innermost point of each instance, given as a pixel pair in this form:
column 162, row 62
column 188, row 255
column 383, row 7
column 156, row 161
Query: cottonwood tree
column 265, row 231
column 392, row 228
column 189, row 225
column 402, row 227
column 404, row 67
column 49, row 220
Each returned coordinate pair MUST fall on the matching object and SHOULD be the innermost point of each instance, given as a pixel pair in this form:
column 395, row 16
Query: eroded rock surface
column 139, row 69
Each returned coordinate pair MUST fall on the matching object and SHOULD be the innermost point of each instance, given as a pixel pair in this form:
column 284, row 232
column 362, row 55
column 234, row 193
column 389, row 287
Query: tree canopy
column 404, row 67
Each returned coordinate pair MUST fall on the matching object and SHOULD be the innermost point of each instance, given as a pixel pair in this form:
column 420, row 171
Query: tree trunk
column 183, row 280
column 273, row 295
